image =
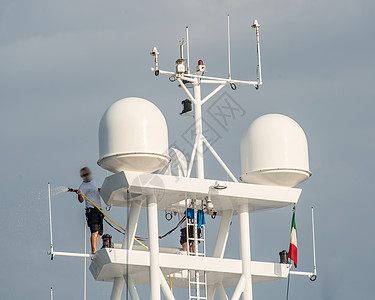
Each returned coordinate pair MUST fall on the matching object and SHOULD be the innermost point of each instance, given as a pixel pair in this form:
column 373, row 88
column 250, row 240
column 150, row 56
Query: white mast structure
column 134, row 185
column 183, row 76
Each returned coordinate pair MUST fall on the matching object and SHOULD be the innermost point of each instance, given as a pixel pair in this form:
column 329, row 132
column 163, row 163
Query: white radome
column 133, row 136
column 274, row 151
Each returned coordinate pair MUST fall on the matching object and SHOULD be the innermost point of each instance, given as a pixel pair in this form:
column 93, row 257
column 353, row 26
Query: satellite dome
column 274, row 151
column 133, row 136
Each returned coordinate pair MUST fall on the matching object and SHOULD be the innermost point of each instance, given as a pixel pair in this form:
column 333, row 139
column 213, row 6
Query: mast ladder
column 197, row 279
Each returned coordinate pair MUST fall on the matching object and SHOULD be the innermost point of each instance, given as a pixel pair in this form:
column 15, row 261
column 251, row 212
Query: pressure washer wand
column 72, row 190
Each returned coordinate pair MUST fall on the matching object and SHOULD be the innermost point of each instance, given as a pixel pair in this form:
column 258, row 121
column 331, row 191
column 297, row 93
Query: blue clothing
column 200, row 216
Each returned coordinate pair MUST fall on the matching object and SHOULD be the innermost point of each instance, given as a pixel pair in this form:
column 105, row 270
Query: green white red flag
column 293, row 241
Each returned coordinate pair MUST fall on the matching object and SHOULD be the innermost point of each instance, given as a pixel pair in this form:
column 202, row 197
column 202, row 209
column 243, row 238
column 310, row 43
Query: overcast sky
column 64, row 62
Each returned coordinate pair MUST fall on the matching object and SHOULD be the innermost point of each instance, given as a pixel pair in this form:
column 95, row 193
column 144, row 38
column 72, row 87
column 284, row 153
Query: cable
column 138, row 239
column 170, row 283
column 173, row 229
column 111, row 219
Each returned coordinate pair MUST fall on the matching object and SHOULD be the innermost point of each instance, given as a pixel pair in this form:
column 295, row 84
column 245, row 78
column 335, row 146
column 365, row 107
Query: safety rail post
column 152, row 217
column 243, row 215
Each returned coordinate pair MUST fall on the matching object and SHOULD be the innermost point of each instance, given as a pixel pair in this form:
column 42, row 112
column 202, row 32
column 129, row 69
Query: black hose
column 173, row 229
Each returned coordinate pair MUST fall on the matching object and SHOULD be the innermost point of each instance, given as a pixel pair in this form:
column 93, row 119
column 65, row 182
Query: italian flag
column 293, row 241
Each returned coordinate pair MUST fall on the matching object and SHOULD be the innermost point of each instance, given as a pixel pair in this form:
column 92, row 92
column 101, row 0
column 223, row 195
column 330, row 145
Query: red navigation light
column 200, row 62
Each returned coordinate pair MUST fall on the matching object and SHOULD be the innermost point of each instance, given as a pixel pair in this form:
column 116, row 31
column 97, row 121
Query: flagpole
column 292, row 253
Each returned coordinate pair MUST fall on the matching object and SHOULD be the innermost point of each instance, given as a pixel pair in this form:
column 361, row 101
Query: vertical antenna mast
column 187, row 50
column 50, row 218
column 259, row 67
column 313, row 233
column 228, row 29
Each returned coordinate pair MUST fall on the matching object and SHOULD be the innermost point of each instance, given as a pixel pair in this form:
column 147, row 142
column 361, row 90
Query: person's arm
column 80, row 197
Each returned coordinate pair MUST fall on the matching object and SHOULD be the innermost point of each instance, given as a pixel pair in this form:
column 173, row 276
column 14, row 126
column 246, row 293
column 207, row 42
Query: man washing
column 94, row 217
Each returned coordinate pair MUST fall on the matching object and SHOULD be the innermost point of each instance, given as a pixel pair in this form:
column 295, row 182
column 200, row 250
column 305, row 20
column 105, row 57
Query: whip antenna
column 259, row 67
column 187, row 50
column 228, row 29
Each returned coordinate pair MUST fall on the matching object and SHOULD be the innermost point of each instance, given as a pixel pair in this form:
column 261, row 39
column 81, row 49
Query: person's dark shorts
column 94, row 220
column 183, row 236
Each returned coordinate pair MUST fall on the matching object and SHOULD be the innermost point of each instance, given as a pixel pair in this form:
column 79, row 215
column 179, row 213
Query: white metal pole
column 211, row 289
column 50, row 217
column 221, row 291
column 152, row 216
column 222, row 235
column 131, row 228
column 206, row 79
column 187, row 50
column 313, row 233
column 132, row 289
column 209, row 96
column 118, row 287
column 192, row 157
column 239, row 288
column 84, row 262
column 186, row 90
column 72, row 254
column 212, row 150
column 165, row 288
column 198, row 129
column 243, row 215
column 258, row 54
column 51, row 293
column 229, row 70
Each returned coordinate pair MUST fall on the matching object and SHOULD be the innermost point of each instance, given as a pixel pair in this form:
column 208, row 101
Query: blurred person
column 94, row 216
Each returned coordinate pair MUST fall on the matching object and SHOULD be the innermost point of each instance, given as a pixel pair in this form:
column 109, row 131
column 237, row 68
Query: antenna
column 50, row 220
column 228, row 29
column 187, row 50
column 181, row 43
column 51, row 293
column 313, row 237
column 259, row 68
column 185, row 80
column 180, row 66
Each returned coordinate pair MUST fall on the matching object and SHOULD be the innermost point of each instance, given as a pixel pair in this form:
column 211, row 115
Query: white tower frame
column 138, row 190
column 245, row 284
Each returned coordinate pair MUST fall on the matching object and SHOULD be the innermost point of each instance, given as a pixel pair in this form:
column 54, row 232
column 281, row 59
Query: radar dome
column 274, row 151
column 133, row 136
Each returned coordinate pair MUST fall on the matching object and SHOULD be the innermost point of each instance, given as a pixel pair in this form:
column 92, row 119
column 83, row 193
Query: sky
column 63, row 63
